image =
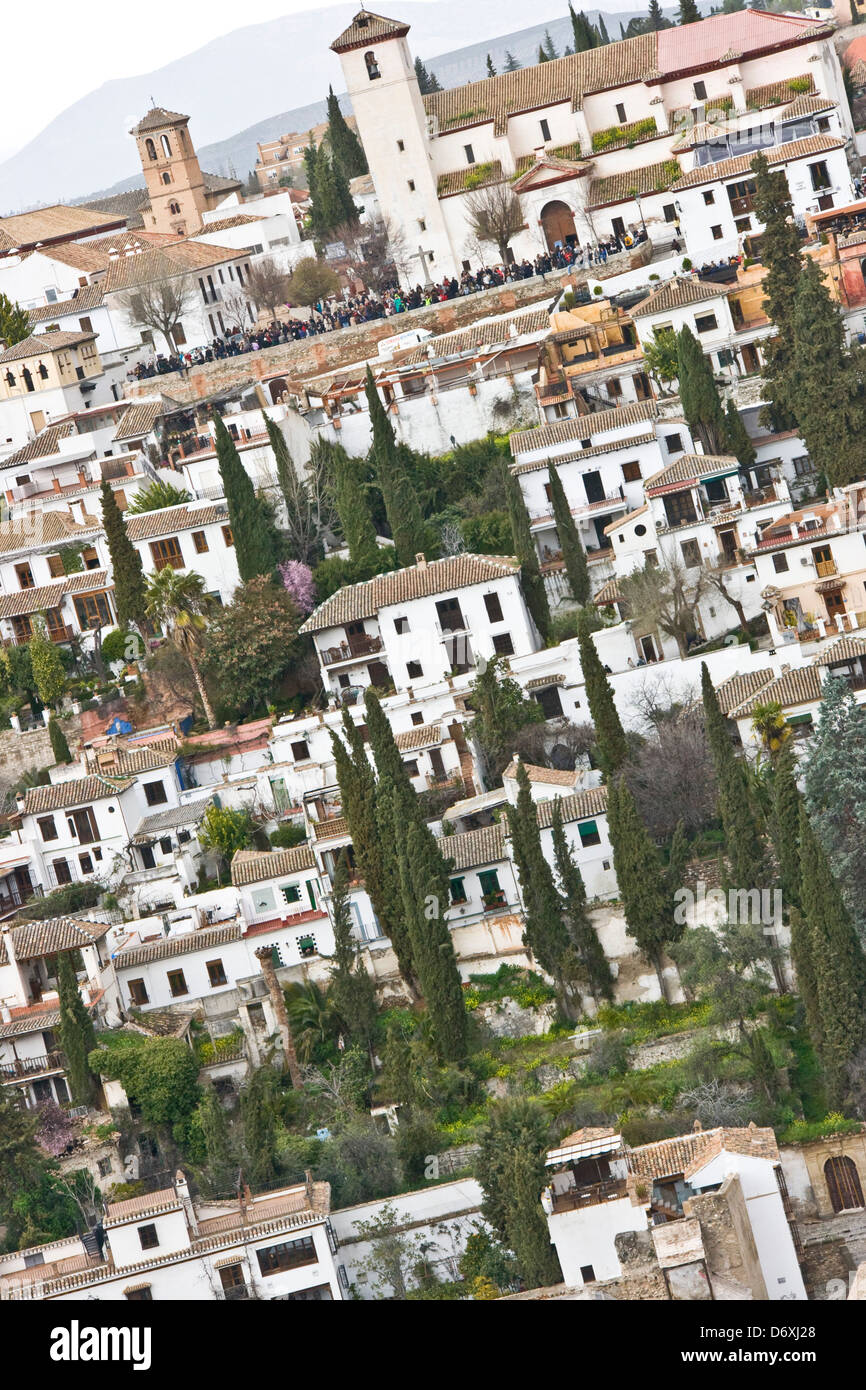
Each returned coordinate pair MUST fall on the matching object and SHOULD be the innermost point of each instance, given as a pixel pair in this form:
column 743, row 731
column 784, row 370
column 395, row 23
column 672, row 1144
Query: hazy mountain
column 246, row 76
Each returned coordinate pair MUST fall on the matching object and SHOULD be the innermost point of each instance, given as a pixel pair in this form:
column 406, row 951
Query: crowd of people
column 329, row 315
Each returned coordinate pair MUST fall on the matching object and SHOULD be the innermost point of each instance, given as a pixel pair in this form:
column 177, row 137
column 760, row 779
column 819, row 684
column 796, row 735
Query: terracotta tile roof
column 163, row 1200
column 166, row 263
column 30, row 940
column 167, row 520
column 592, row 452
column 190, row 813
column 26, row 228
column 564, row 80
column 88, row 297
column 367, row 28
column 139, row 420
column 689, row 1153
column 37, row 344
column 421, row 736
column 775, row 93
column 224, row 224
column 555, row 776
column 743, row 34
column 582, row 427
column 590, row 1134
column 127, row 204
column 337, row 828
column 799, row 686
column 619, row 188
column 61, row 796
column 128, row 762
column 474, row 847
column 45, row 528
column 742, row 164
column 45, row 444
column 168, row 947
column 26, row 1020
column 219, row 183
column 608, row 593
column 736, row 689
column 248, row 866
column 677, row 294
column 49, row 595
column 542, row 682
column 807, row 106
column 93, row 256
column 570, row 153
column 469, row 178
column 577, row 807
column 843, row 649
column 687, row 469
column 488, row 333
column 423, row 580
column 156, row 118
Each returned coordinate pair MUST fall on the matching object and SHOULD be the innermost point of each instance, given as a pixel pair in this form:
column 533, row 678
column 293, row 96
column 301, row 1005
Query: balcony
column 24, row 1068
column 237, row 1293
column 741, row 207
column 591, row 1196
column 493, row 901
column 353, row 649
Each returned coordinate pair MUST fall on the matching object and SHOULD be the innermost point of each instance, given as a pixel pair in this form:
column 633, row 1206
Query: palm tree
column 312, row 1016
column 768, row 722
column 178, row 603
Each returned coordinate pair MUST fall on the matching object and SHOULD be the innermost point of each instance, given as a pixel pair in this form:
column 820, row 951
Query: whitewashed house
column 190, row 536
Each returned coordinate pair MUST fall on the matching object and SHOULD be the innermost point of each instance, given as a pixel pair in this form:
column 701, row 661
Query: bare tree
column 268, row 285
column 667, row 596
column 717, row 578
column 494, row 215
column 671, row 774
column 377, row 252
column 160, row 305
column 236, row 303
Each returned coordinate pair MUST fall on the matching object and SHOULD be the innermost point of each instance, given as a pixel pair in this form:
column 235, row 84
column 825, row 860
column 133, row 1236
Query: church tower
column 171, row 171
column 392, row 126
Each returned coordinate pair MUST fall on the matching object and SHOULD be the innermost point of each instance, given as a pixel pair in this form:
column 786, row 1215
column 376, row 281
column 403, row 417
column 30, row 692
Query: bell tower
column 171, row 172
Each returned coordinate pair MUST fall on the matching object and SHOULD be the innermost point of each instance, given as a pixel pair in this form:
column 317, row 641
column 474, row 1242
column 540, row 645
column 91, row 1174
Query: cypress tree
column 351, row 987
column 549, row 47
column 643, row 888
column 573, row 553
column 744, row 848
column 531, row 578
column 737, row 441
column 603, row 35
column 77, row 1034
column 698, row 392
column 786, row 825
column 353, row 510
column 511, row 63
column 346, row 148
column 609, row 733
column 126, row 568
column 214, row 1126
column 426, row 896
column 388, row 803
column 835, row 789
column 59, row 746
column 491, row 71
column 544, row 932
column 655, row 18
column 831, row 423
column 835, row 967
column 253, row 537
column 689, row 12
column 780, row 254
column 511, row 1170
column 389, row 761
column 398, row 494
column 583, row 935
column 258, row 1112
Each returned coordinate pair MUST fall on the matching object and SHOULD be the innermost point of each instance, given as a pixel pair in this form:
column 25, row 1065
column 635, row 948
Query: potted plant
column 306, row 946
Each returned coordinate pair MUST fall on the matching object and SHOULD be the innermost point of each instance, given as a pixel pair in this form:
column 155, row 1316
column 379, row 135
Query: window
column 62, row 871
column 199, row 540
column 545, row 130
column 174, row 208
column 401, row 625
column 417, row 716
column 151, row 148
column 289, row 1255
column 92, row 611
column 469, row 153
column 631, row 472
column 458, row 890
column 502, row 644
column 411, row 766
column 494, row 607
column 802, row 466
column 588, row 832
column 47, row 828
column 155, row 793
column 89, row 558
column 103, row 1167
column 166, row 178
column 227, row 535
column 25, row 577
column 148, row 1237
column 670, row 212
column 400, row 146
column 691, row 554
column 215, row 973
column 142, row 1295
column 587, row 1274
column 414, row 670
column 819, row 175
column 291, row 892
column 705, row 323
column 743, row 224
column 411, row 183
column 177, row 983
column 167, row 553
column 700, row 91
column 716, row 233
column 843, row 1183
column 780, row 563
column 422, row 225
column 674, row 443
column 709, row 197
column 372, row 66
column 86, row 863
column 620, row 112
column 300, row 750
column 490, row 889
column 137, row 991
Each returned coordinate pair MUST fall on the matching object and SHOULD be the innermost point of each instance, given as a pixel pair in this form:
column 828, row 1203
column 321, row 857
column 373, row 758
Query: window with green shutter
column 588, row 832
column 458, row 890
column 291, row 892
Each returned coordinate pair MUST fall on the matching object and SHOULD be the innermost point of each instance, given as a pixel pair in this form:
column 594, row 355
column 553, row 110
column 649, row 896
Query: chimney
column 181, row 1187
column 308, row 1185
column 5, row 1013
column 421, row 559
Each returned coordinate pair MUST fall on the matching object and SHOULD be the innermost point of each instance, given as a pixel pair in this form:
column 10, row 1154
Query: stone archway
column 277, row 387
column 557, row 222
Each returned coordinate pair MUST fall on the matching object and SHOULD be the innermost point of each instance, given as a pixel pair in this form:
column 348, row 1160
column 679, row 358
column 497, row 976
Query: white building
column 163, row 1246
column 192, row 535
column 647, row 132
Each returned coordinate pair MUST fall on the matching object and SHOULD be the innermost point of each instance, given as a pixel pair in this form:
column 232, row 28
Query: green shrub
column 288, row 836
